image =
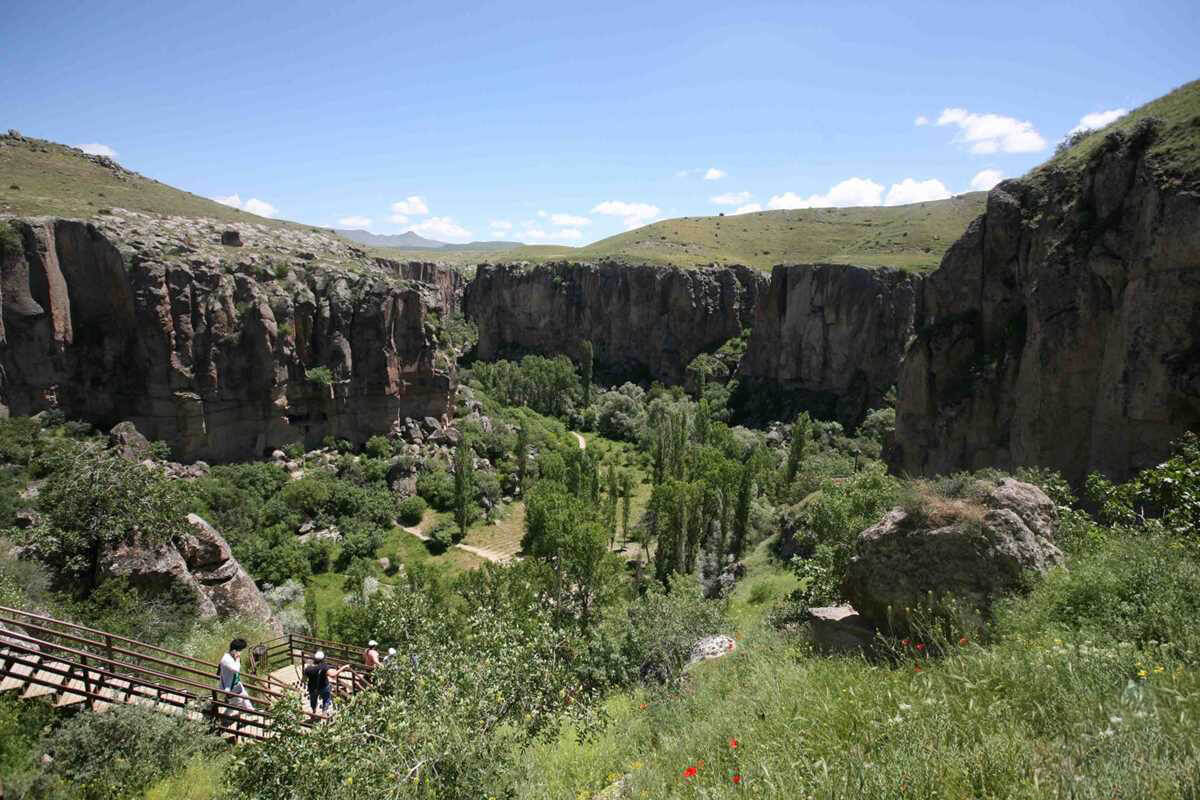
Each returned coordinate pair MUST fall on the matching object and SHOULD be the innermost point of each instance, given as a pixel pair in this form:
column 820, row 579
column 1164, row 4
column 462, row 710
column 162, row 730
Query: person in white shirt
column 230, row 672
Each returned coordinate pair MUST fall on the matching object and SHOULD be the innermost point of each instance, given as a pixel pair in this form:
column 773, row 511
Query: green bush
column 321, row 376
column 378, row 447
column 120, row 753
column 1143, row 590
column 437, row 487
column 411, row 510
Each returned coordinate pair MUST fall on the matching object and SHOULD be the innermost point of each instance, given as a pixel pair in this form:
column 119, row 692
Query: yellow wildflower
column 1142, row 673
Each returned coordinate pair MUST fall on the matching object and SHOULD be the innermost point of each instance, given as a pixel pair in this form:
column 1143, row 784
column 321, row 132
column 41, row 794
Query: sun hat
column 391, row 651
column 372, row 643
column 319, row 655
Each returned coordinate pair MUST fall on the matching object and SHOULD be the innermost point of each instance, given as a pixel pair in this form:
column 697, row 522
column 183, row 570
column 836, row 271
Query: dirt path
column 582, row 441
column 482, row 552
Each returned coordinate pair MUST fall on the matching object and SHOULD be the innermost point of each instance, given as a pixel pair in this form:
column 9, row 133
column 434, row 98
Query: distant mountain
column 407, row 240
column 413, row 241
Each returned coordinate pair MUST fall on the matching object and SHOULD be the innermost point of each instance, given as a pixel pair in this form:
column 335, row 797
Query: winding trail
column 482, row 552
column 582, row 441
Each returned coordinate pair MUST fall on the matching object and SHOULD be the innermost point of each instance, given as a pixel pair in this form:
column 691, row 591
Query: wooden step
column 16, row 678
column 56, row 677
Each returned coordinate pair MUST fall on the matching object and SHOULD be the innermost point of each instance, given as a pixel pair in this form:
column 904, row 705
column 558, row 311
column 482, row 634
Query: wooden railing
column 100, row 667
column 297, row 649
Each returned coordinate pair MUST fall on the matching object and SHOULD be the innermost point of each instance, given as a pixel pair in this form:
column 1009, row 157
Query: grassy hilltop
column 39, row 177
column 911, row 237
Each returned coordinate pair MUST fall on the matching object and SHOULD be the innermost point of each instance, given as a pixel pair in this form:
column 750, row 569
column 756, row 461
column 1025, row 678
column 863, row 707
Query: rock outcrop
column 200, row 565
column 447, row 282
column 902, row 562
column 1063, row 329
column 210, row 348
column 644, row 322
column 829, row 338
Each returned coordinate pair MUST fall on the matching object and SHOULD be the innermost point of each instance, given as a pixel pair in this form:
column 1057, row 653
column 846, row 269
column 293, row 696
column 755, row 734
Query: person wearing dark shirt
column 318, row 675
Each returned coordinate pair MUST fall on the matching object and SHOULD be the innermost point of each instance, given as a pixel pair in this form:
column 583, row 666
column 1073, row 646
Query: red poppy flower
column 736, row 778
column 916, row 668
column 690, row 772
column 920, row 647
column 904, row 642
column 733, row 743
column 642, row 707
column 962, row 642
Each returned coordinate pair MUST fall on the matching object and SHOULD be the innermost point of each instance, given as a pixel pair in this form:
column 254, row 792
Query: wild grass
column 202, row 779
column 1099, row 709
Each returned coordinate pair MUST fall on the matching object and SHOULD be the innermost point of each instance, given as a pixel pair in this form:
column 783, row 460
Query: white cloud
column 993, row 133
column 850, row 192
column 413, row 204
column 1090, row 122
column 443, row 229
column 911, row 190
column 500, row 226
column 714, row 174
column 253, row 205
column 543, row 213
column 355, row 222
column 97, row 149
column 921, row 120
column 398, row 219
column 634, row 215
column 986, row 179
column 569, row 220
column 536, row 234
column 731, row 198
column 260, row 207
column 749, row 208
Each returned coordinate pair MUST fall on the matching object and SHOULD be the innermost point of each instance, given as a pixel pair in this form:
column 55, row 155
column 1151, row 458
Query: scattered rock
column 711, row 647
column 900, row 563
column 840, row 629
column 129, row 442
column 231, row 237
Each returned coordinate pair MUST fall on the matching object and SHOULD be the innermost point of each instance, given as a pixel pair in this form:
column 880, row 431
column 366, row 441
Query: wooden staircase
column 72, row 665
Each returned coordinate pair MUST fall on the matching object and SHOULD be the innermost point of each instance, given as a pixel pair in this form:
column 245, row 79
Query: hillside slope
column 911, row 237
column 43, row 178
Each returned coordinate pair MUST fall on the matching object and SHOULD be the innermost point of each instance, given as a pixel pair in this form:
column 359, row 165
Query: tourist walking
column 317, row 675
column 371, row 656
column 230, row 673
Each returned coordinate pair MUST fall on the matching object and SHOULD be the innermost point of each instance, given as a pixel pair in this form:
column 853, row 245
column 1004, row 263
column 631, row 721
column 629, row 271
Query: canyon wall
column 644, row 322
column 1063, row 329
column 204, row 334
column 828, row 338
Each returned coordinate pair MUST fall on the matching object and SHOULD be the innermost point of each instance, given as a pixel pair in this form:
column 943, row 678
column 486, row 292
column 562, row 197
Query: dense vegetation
column 567, row 672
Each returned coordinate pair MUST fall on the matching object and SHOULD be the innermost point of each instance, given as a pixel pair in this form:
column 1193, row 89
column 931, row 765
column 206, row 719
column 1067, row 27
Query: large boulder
column 902, row 562
column 129, row 441
column 198, row 564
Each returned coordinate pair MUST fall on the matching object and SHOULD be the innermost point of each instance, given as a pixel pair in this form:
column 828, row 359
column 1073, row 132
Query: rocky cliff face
column 204, row 334
column 1063, row 329
column 829, row 338
column 448, row 283
column 644, row 322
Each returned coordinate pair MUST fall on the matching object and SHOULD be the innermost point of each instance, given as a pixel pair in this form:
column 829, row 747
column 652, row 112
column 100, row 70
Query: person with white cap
column 317, row 675
column 388, row 657
column 371, row 656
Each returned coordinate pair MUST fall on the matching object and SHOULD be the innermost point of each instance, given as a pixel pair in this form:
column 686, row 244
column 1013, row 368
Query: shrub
column 1143, row 590
column 322, row 376
column 437, row 487
column 620, row 414
column 120, row 753
column 378, row 447
column 411, row 510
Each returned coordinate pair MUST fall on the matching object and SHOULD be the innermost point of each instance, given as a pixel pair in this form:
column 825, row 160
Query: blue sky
column 568, row 122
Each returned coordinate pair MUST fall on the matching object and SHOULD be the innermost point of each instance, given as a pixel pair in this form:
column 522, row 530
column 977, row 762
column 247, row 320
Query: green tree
column 585, row 369
column 464, row 488
column 94, row 499
column 801, row 433
column 522, row 457
column 626, row 503
column 741, row 510
column 610, row 505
